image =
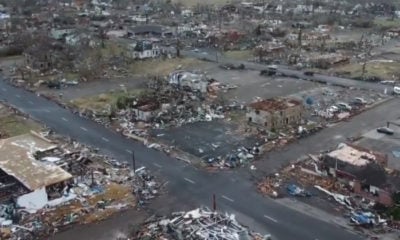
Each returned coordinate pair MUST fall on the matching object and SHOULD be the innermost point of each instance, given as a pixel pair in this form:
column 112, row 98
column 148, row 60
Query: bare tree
column 367, row 53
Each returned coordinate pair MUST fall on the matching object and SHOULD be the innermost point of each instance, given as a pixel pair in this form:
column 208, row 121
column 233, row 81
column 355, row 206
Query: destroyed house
column 194, row 81
column 21, row 173
column 362, row 169
column 144, row 111
column 41, row 57
column 275, row 113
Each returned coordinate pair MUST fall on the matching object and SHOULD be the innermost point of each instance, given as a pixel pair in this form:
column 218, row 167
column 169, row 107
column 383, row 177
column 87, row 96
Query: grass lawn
column 164, row 67
column 386, row 23
column 382, row 70
column 102, row 101
column 239, row 54
column 13, row 125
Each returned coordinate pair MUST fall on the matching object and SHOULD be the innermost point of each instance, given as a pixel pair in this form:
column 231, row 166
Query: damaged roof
column 356, row 155
column 146, row 29
column 17, row 160
column 274, row 104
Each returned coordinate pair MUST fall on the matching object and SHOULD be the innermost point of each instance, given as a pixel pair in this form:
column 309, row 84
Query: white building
column 144, row 50
column 188, row 79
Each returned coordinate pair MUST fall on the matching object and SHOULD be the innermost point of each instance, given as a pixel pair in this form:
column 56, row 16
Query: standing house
column 275, row 113
column 144, row 49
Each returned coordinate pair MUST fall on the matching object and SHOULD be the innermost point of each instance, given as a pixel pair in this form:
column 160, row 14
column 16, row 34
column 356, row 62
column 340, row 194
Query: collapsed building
column 361, row 169
column 275, row 114
column 198, row 224
column 46, row 186
column 191, row 80
column 41, row 58
column 26, row 179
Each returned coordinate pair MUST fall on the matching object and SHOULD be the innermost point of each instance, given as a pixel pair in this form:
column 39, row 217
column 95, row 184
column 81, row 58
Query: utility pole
column 214, row 203
column 133, row 162
column 216, row 53
column 92, row 173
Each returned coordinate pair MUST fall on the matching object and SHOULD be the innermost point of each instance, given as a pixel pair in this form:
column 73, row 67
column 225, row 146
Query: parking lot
column 388, row 144
column 250, row 84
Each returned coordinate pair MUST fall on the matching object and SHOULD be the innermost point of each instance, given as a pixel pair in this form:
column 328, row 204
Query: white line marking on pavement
column 227, row 198
column 189, row 180
column 157, row 165
column 30, row 102
column 64, row 119
column 47, row 110
column 271, row 218
column 128, row 151
column 3, row 89
column 105, row 139
column 84, row 129
column 18, row 96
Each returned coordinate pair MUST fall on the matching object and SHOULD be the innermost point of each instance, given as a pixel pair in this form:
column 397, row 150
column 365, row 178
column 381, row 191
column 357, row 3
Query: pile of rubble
column 100, row 187
column 201, row 223
column 162, row 105
column 237, row 158
column 301, row 174
column 308, row 179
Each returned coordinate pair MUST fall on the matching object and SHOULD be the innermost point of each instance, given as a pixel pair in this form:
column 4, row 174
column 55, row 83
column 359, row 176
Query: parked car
column 309, row 73
column 344, row 106
column 385, row 130
column 359, row 101
column 396, row 90
column 333, row 109
column 387, row 82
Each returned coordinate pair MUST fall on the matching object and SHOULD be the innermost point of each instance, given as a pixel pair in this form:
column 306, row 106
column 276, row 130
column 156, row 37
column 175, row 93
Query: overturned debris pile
column 201, row 223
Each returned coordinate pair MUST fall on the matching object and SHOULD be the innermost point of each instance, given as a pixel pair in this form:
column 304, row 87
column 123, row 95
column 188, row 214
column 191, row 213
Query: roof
column 17, row 160
column 274, row 104
column 353, row 156
column 147, row 28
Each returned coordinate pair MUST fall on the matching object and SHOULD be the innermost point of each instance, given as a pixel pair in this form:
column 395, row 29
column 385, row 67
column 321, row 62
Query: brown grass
column 161, row 67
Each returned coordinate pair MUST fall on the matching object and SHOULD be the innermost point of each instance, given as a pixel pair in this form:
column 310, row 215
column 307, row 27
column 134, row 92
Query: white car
column 396, row 90
column 360, row 101
column 333, row 109
column 344, row 106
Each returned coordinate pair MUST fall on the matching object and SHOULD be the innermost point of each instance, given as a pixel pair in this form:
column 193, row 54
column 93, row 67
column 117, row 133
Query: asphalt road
column 330, row 137
column 295, row 74
column 234, row 193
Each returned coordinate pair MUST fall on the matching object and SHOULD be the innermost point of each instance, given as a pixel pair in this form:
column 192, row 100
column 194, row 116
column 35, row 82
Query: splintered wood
column 304, row 177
